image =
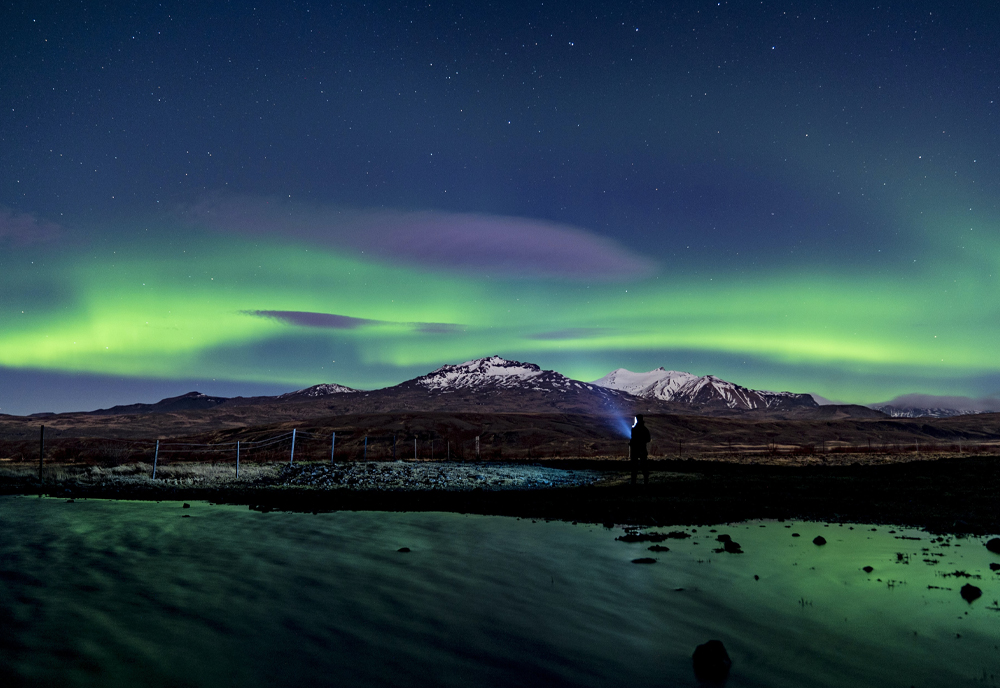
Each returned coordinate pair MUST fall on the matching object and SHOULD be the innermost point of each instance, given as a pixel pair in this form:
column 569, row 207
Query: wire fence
column 353, row 445
column 289, row 446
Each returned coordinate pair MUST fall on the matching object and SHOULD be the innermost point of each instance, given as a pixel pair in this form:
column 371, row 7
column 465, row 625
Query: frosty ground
column 952, row 494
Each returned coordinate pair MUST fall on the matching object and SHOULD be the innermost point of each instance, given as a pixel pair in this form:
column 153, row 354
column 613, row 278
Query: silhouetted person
column 637, row 449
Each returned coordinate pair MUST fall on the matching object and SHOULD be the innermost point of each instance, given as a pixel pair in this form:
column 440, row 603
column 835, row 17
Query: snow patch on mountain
column 709, row 388
column 916, row 412
column 775, row 399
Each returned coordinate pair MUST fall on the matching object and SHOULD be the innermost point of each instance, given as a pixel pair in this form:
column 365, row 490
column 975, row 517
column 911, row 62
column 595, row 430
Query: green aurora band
column 151, row 309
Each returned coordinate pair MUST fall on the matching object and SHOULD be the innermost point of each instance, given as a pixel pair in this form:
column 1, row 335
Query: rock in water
column 868, row 569
column 732, row 547
column 711, row 661
column 994, row 545
column 404, row 550
column 642, row 537
column 993, row 566
column 644, row 560
column 728, row 545
column 819, row 540
column 970, row 592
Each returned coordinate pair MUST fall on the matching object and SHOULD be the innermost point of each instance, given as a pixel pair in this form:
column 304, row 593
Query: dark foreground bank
column 954, row 495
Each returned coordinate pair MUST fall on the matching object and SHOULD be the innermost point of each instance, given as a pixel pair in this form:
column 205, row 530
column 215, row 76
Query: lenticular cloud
column 333, row 321
column 493, row 245
column 327, row 321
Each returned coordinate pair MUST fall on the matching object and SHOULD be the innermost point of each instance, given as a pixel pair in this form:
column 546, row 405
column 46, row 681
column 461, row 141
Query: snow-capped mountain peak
column 709, row 390
column 657, row 384
column 493, row 371
column 735, row 396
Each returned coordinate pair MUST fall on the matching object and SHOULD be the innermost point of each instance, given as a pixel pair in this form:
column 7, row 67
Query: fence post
column 432, row 450
column 156, row 455
column 393, row 447
column 291, row 457
column 366, row 448
column 41, row 452
column 449, row 450
column 333, row 445
column 237, row 458
column 414, row 448
column 477, row 447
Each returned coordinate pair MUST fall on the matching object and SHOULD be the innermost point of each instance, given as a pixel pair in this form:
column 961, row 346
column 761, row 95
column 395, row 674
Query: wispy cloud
column 571, row 333
column 26, row 228
column 437, row 328
column 465, row 242
column 332, row 321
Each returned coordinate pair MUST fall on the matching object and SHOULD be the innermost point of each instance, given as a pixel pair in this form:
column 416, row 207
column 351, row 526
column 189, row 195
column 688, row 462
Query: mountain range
column 707, row 391
column 495, row 384
column 517, row 405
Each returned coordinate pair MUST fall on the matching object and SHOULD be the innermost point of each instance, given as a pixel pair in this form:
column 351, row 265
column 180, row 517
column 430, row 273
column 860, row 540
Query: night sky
column 247, row 198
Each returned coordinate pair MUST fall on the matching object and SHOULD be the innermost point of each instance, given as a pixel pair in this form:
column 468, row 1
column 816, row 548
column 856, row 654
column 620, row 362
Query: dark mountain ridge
column 498, row 385
column 192, row 401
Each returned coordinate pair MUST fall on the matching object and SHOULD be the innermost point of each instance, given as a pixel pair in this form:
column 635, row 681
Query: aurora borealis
column 254, row 198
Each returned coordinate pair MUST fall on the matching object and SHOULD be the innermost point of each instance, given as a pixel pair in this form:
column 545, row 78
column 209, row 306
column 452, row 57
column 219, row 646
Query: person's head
column 638, row 420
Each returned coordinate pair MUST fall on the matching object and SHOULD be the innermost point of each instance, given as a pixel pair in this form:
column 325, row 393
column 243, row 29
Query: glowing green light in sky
column 158, row 310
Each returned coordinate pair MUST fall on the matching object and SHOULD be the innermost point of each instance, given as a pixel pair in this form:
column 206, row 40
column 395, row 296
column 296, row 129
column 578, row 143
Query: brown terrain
column 835, row 463
column 503, row 434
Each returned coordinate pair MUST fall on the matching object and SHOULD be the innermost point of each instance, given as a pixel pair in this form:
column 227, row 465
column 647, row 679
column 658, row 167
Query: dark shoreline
column 953, row 495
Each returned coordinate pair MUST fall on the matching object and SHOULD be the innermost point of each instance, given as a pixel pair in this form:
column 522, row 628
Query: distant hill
column 318, row 391
column 933, row 406
column 192, row 401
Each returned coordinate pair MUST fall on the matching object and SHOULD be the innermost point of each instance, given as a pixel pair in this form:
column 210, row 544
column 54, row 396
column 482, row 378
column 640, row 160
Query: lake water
column 105, row 593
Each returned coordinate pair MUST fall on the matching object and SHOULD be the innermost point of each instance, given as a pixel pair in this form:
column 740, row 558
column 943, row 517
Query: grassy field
column 180, row 473
column 110, row 441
